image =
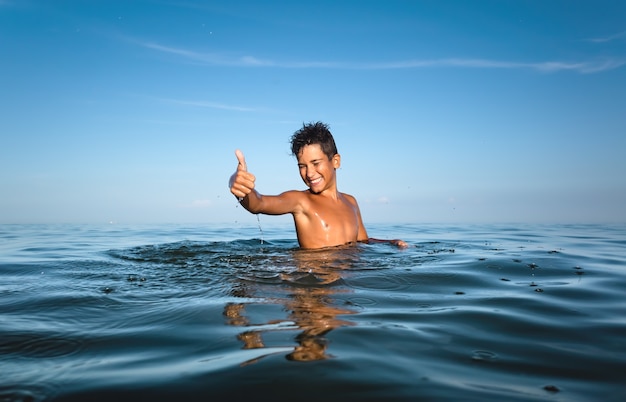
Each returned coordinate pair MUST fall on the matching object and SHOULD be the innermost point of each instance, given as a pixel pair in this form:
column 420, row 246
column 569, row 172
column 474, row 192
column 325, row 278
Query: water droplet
column 551, row 388
column 483, row 356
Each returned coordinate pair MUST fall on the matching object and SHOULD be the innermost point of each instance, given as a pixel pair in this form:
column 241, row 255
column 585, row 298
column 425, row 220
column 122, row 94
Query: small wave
column 38, row 345
column 26, row 393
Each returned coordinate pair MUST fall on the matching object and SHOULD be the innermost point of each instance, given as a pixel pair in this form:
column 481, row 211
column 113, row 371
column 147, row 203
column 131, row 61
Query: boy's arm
column 364, row 238
column 362, row 233
column 241, row 185
column 396, row 242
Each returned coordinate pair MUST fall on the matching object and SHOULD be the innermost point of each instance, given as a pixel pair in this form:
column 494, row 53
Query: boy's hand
column 241, row 183
column 400, row 243
column 241, row 160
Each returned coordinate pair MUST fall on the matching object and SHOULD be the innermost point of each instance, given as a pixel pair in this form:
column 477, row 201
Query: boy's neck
column 331, row 193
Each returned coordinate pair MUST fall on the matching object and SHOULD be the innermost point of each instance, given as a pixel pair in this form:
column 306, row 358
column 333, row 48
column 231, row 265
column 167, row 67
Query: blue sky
column 443, row 111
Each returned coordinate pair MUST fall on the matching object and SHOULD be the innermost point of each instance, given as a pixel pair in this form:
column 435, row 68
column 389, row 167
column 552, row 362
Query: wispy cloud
column 209, row 58
column 198, row 204
column 584, row 67
column 212, row 105
column 545, row 66
column 609, row 38
column 380, row 200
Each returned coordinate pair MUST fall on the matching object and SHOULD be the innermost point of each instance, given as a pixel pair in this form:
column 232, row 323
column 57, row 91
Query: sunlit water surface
column 173, row 312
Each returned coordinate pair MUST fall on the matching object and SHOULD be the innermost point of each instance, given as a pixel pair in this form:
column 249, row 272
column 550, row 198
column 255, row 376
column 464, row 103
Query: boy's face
column 316, row 170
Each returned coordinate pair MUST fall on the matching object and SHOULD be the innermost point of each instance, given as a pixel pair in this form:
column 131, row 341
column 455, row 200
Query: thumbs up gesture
column 241, row 160
column 241, row 182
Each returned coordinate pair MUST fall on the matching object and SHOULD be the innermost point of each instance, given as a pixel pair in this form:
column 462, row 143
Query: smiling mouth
column 315, row 181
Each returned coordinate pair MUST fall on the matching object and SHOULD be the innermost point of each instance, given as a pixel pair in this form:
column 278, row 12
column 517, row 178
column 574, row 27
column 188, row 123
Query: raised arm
column 241, row 185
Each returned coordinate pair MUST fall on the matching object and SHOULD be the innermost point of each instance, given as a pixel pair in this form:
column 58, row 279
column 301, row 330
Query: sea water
column 215, row 313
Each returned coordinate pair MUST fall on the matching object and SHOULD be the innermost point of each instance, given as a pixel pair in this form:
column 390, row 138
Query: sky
column 443, row 111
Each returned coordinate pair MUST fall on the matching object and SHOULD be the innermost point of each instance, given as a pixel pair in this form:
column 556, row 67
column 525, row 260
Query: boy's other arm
column 242, row 186
column 396, row 242
column 362, row 234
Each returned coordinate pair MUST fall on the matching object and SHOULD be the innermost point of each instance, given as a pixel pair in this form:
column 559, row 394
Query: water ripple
column 38, row 345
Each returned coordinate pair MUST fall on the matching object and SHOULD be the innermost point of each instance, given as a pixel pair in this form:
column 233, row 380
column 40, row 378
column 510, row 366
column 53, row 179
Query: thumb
column 242, row 161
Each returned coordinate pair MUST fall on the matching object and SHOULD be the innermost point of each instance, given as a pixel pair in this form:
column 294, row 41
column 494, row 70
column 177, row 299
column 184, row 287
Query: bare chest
column 332, row 221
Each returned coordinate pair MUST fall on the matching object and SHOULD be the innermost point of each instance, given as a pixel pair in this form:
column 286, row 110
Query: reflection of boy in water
column 311, row 303
column 323, row 216
column 310, row 311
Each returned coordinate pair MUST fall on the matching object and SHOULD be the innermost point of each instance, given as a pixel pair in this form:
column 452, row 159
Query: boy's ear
column 336, row 161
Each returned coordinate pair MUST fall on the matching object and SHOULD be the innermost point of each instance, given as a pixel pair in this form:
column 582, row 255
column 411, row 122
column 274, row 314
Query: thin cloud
column 208, row 58
column 585, row 67
column 380, row 200
column 222, row 60
column 609, row 38
column 546, row 66
column 198, row 204
column 211, row 105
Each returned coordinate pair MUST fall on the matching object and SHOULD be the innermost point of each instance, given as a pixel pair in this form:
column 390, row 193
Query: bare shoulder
column 297, row 199
column 294, row 194
column 349, row 198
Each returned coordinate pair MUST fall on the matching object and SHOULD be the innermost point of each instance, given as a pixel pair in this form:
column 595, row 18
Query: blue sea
column 215, row 313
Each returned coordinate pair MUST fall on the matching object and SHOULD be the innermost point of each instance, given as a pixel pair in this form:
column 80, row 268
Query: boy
column 323, row 216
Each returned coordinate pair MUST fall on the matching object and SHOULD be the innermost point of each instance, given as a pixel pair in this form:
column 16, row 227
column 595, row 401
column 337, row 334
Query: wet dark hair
column 314, row 133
